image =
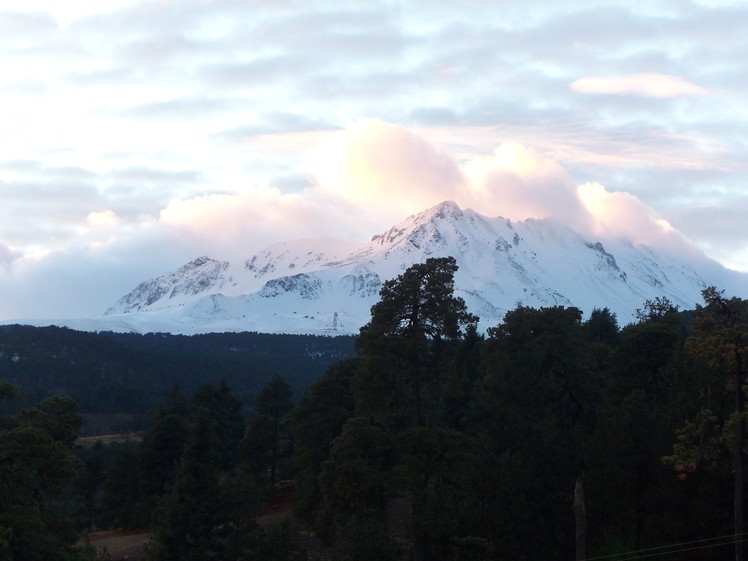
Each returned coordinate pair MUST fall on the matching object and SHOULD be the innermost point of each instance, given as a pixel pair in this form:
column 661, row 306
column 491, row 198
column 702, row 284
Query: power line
column 671, row 549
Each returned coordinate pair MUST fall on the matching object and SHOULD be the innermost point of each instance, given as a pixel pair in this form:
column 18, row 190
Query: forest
column 119, row 380
column 552, row 436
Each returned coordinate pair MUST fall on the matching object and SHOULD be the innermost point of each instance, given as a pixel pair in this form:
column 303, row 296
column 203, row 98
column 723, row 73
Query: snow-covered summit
column 324, row 285
column 329, row 286
column 190, row 280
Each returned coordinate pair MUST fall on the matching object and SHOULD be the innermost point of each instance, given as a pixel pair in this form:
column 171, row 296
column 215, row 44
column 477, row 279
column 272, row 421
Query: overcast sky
column 138, row 135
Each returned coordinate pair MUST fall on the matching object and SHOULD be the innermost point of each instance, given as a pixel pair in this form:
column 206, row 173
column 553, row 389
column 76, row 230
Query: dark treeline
column 129, row 374
column 553, row 436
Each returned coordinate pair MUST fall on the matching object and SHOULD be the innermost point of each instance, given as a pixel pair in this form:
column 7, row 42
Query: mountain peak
column 200, row 262
column 427, row 223
column 322, row 287
column 445, row 209
column 199, row 276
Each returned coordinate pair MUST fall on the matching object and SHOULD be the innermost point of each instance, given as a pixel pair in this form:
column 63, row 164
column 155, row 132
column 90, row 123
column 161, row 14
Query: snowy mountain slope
column 207, row 276
column 177, row 287
column 325, row 286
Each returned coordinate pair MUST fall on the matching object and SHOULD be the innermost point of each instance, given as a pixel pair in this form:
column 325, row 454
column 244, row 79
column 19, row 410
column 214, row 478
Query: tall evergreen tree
column 192, row 518
column 534, row 413
column 410, row 349
column 122, row 504
column 356, row 484
column 318, row 420
column 416, row 312
column 221, row 411
column 268, row 437
column 190, row 514
column 36, row 465
column 721, row 338
column 162, row 447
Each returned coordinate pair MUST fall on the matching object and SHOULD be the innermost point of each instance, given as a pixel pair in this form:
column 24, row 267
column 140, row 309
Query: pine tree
column 36, row 466
column 416, row 313
column 267, row 439
column 721, row 338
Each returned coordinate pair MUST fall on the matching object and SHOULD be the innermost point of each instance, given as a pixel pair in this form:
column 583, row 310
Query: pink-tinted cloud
column 386, row 172
column 234, row 225
column 624, row 216
column 389, row 172
column 644, row 84
column 517, row 182
column 386, row 168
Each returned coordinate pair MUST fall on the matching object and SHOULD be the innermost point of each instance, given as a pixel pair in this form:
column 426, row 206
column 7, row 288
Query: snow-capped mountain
column 316, row 286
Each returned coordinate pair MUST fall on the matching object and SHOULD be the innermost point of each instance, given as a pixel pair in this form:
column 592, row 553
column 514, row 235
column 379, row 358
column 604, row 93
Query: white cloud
column 517, row 182
column 66, row 12
column 645, row 84
column 391, row 172
column 624, row 216
column 102, row 219
column 7, row 256
column 234, row 225
column 386, row 168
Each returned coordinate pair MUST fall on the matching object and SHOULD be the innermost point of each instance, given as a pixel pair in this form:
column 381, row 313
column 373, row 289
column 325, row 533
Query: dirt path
column 120, row 545
column 129, row 546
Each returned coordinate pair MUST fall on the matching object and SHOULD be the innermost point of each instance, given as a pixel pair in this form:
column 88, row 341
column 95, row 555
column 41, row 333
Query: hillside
column 115, row 373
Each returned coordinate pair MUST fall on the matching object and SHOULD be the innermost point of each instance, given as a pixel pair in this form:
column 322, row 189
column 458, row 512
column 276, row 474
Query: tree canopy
column 420, row 303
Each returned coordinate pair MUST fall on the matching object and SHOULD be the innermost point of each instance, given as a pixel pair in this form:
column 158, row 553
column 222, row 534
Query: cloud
column 713, row 224
column 624, row 216
column 645, row 84
column 386, row 168
column 84, row 279
column 53, row 207
column 102, row 219
column 369, row 176
column 234, row 225
column 275, row 123
column 7, row 256
column 391, row 172
column 517, row 182
column 19, row 25
column 181, row 108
